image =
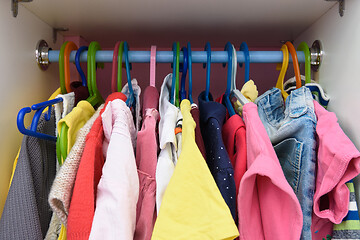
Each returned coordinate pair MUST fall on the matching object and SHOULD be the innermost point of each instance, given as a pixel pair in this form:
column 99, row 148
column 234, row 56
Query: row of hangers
column 121, row 49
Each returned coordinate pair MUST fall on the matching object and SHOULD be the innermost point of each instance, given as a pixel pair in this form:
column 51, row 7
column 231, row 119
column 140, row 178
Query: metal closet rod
column 167, row 56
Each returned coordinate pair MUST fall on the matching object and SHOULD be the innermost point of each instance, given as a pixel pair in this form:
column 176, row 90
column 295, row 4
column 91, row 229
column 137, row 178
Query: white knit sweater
column 61, row 190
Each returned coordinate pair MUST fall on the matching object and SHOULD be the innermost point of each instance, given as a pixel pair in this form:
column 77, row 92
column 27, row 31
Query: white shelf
column 259, row 22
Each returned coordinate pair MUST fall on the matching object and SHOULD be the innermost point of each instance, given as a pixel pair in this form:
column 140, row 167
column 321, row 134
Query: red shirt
column 234, row 138
column 82, row 206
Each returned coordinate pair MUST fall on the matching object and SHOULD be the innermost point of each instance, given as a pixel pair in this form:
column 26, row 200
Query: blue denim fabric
column 291, row 129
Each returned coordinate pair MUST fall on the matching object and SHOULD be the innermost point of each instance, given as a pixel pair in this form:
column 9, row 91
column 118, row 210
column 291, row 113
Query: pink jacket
column 268, row 207
column 337, row 162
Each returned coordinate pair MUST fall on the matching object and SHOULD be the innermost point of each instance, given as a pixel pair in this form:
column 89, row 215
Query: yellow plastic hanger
column 284, row 67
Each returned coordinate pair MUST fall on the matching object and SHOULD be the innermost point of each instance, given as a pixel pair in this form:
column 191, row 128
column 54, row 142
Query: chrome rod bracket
column 316, row 53
column 42, row 54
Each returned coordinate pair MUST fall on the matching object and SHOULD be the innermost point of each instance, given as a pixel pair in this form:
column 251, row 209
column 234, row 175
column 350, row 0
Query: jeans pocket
column 289, row 152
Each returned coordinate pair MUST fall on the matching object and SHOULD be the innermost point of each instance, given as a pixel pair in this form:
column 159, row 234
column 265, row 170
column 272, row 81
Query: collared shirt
column 118, row 188
column 212, row 116
column 338, row 161
column 82, row 205
column 168, row 144
column 192, row 207
column 268, row 206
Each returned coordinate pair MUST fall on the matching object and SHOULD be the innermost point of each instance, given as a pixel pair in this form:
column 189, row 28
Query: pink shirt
column 338, row 162
column 118, row 188
column 268, row 207
column 146, row 160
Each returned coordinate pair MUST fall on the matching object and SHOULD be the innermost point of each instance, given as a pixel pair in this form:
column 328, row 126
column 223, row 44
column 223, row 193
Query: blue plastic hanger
column 190, row 72
column 245, row 49
column 172, row 94
column 39, row 108
column 77, row 63
column 207, row 90
column 183, row 69
column 131, row 99
column 226, row 98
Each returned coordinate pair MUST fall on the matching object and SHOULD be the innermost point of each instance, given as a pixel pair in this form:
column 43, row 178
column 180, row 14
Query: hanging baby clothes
column 26, row 213
column 337, row 162
column 193, row 207
column 118, row 188
column 291, row 129
column 61, row 189
column 82, row 205
column 167, row 141
column 268, row 207
column 212, row 117
column 146, row 160
column 61, row 110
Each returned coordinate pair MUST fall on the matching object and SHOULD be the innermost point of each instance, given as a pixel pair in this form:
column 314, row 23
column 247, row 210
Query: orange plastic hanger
column 294, row 57
column 70, row 46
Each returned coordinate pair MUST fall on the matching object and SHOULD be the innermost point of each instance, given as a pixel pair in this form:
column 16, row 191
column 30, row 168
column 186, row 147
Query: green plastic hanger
column 119, row 73
column 177, row 100
column 305, row 48
column 62, row 68
column 63, row 142
column 95, row 96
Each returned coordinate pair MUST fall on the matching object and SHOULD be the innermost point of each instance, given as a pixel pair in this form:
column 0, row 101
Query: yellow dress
column 192, row 207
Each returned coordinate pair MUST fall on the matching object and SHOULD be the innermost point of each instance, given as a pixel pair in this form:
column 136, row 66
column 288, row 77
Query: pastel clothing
column 167, row 141
column 193, row 207
column 212, row 117
column 26, row 213
column 118, row 188
column 291, row 129
column 268, row 206
column 75, row 120
column 234, row 137
column 82, row 205
column 338, row 161
column 349, row 228
column 62, row 187
column 146, row 160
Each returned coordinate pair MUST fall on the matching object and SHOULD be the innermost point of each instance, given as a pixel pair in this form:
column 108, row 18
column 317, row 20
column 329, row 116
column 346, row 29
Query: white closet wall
column 22, row 83
column 339, row 73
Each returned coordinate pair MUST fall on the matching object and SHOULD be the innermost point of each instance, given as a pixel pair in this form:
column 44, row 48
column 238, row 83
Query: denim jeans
column 291, row 129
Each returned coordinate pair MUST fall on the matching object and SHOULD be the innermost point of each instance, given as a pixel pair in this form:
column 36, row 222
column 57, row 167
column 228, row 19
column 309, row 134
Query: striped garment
column 349, row 228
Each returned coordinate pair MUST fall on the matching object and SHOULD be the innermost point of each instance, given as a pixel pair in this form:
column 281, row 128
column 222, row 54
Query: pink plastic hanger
column 152, row 65
column 115, row 68
column 151, row 94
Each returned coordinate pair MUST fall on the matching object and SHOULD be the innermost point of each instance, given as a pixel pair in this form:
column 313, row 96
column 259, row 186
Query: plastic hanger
column 226, row 99
column 114, row 77
column 78, row 67
column 208, row 60
column 39, row 108
column 183, row 69
column 61, row 69
column 244, row 48
column 153, row 66
column 70, row 46
column 174, row 98
column 190, row 72
column 130, row 102
column 284, row 67
column 305, row 48
column 236, row 97
column 295, row 63
column 95, row 96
